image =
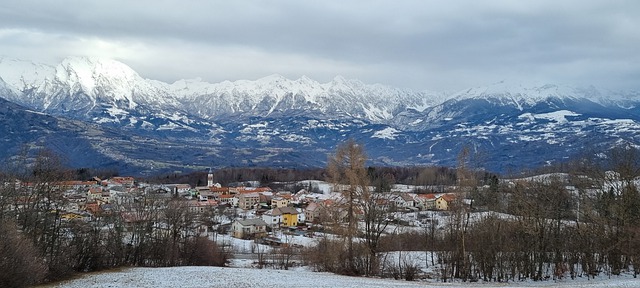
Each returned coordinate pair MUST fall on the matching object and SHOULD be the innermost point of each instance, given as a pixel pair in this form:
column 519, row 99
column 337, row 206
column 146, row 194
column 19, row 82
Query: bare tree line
column 380, row 177
column 546, row 228
column 583, row 226
column 37, row 245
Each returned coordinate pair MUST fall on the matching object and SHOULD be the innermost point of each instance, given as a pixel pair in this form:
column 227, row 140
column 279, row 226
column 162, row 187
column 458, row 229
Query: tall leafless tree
column 349, row 175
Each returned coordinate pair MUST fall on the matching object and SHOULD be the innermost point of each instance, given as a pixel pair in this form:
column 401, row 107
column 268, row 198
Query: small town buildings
column 133, row 219
column 106, row 197
column 228, row 199
column 248, row 200
column 178, row 189
column 94, row 193
column 74, row 216
column 239, row 190
column 202, row 189
column 280, row 201
column 445, row 201
column 301, row 217
column 220, row 190
column 93, row 207
column 281, row 216
column 426, row 201
column 403, row 200
column 312, row 212
column 207, row 194
column 200, row 207
column 65, row 185
column 121, row 181
column 249, row 228
column 265, row 200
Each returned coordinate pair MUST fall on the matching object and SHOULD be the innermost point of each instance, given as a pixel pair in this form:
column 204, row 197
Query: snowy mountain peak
column 528, row 95
column 341, row 83
column 85, row 84
column 6, row 91
column 23, row 74
column 304, row 78
column 92, row 72
column 506, row 88
column 273, row 78
column 277, row 120
column 339, row 79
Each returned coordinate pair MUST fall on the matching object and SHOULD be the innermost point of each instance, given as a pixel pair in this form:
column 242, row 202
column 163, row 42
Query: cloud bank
column 422, row 45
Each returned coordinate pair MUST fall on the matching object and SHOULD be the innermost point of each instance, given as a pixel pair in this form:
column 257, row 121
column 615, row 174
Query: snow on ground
column 245, row 277
column 404, row 188
column 224, row 277
column 297, row 239
column 420, row 259
column 544, row 178
column 323, row 186
column 386, row 133
column 243, row 246
column 556, row 116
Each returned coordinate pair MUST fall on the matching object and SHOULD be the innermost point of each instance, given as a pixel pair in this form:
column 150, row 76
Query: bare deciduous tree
column 349, row 175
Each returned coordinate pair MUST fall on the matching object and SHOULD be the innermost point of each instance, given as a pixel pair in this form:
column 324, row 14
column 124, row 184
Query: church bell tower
column 210, row 178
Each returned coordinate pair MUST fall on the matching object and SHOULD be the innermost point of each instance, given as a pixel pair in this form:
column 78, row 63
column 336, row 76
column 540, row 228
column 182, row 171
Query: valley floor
column 301, row 277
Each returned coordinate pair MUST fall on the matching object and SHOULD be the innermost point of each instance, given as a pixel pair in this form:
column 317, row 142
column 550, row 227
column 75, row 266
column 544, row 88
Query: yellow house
column 443, row 202
column 282, row 216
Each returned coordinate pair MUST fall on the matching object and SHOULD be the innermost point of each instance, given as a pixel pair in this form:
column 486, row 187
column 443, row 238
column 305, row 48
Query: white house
column 282, row 216
column 249, row 228
column 403, row 200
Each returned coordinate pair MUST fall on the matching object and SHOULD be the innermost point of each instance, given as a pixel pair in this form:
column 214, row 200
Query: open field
column 301, row 277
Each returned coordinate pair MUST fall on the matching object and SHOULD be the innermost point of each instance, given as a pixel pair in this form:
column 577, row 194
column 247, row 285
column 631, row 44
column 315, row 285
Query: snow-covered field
column 224, row 277
column 245, row 277
column 249, row 246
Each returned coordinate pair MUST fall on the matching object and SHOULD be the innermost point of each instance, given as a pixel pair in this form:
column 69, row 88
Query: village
column 444, row 231
column 250, row 212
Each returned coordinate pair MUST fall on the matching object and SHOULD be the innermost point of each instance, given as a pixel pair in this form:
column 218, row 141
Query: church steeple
column 210, row 178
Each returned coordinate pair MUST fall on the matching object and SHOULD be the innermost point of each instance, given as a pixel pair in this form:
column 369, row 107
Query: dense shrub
column 19, row 261
column 202, row 251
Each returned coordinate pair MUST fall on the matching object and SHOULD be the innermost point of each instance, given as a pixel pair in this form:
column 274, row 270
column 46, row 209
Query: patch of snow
column 170, row 126
column 105, row 120
column 146, row 124
column 325, row 187
column 386, row 133
column 115, row 111
column 35, row 112
column 556, row 116
column 416, row 122
column 296, row 138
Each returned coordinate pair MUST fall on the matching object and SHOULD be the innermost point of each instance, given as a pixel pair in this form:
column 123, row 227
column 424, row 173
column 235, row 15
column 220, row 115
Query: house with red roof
column 426, row 201
column 445, row 201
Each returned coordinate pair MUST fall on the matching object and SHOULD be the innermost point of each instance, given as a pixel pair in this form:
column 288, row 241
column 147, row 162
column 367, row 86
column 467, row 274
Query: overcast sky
column 421, row 45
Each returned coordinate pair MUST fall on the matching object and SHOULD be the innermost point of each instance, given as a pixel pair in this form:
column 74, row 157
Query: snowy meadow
column 246, row 277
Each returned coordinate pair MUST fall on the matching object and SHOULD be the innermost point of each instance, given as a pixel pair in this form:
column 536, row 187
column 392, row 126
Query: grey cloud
column 415, row 44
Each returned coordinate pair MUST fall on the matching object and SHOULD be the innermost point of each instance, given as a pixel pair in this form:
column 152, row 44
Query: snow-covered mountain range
column 275, row 121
